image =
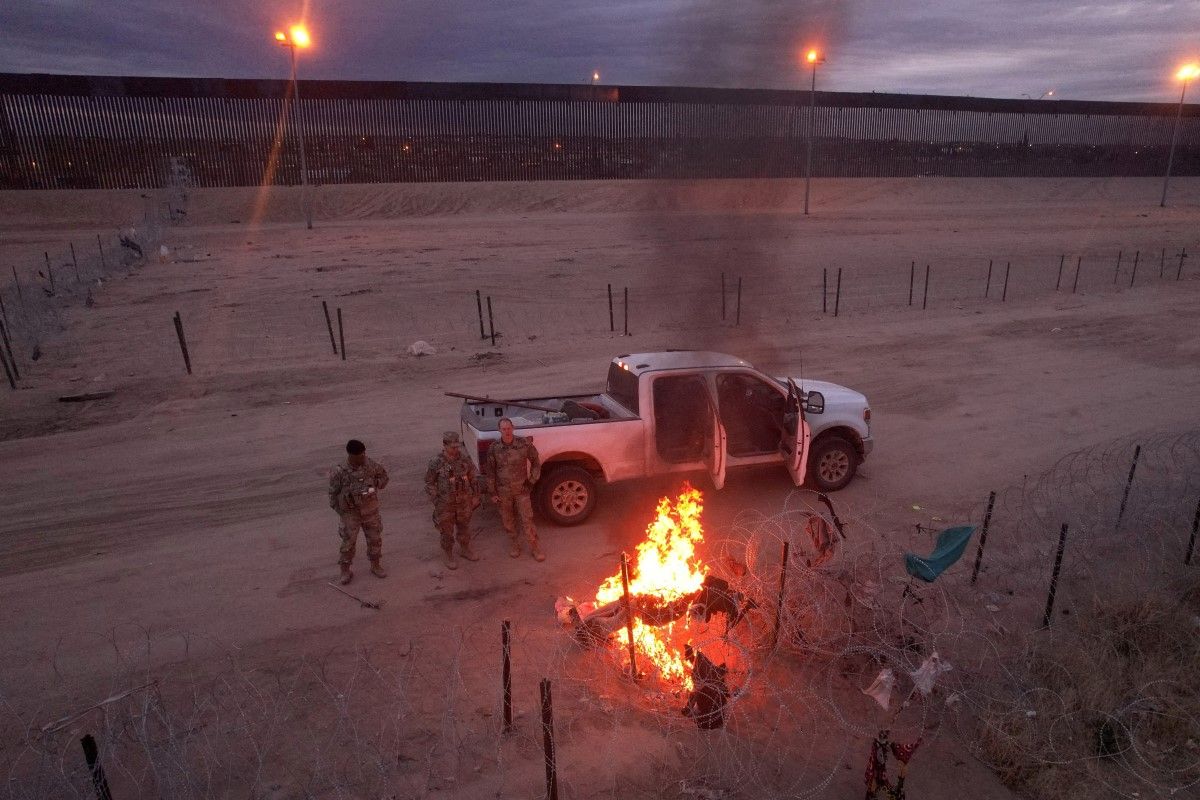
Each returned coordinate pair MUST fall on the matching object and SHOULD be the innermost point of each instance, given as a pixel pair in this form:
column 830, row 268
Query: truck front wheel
column 832, row 463
column 567, row 495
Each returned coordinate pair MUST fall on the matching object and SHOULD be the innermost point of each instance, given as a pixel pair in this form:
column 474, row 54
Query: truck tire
column 567, row 495
column 832, row 463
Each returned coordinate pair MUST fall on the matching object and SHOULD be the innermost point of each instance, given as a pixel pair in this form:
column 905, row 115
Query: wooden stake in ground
column 1137, row 254
column 75, row 262
column 1137, row 451
column 987, row 520
column 1187, row 559
column 187, row 360
column 12, row 383
column 1058, row 282
column 49, row 273
column 824, row 288
column 491, row 321
column 100, row 244
column 722, row 296
column 626, row 311
column 912, row 278
column 17, row 283
column 783, row 570
column 1058, row 557
column 1117, row 274
column 329, row 326
column 925, row 300
column 7, row 343
column 612, row 324
column 1004, row 294
column 1078, row 268
column 479, row 308
column 988, row 286
column 837, row 294
column 628, row 606
column 548, row 740
column 341, row 333
column 91, row 754
column 506, row 672
column 1182, row 256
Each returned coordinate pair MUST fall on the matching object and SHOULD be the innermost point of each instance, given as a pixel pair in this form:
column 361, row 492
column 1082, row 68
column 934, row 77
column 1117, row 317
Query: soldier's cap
column 451, row 437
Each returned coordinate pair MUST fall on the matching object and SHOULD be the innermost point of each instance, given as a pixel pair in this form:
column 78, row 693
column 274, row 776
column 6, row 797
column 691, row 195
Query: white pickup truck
column 678, row 411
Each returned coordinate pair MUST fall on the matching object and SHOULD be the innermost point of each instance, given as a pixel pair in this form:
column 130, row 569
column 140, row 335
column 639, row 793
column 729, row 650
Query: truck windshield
column 623, row 387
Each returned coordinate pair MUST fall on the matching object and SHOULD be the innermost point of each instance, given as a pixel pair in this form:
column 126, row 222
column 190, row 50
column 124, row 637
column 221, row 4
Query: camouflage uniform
column 354, row 495
column 452, row 485
column 512, row 470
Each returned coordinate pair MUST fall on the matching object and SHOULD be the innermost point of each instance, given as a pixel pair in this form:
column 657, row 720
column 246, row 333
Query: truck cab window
column 752, row 411
column 682, row 418
column 623, row 387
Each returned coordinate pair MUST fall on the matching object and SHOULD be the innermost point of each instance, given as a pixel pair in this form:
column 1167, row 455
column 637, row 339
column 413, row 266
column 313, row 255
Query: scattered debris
column 880, row 689
column 361, row 602
column 421, row 348
column 59, row 724
column 488, row 356
column 86, row 396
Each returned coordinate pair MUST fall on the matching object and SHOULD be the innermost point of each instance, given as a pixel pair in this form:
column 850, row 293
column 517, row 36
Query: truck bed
column 486, row 416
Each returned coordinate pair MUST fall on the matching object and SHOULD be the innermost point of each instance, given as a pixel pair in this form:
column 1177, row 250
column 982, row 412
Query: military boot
column 377, row 569
column 538, row 555
column 468, row 553
column 347, row 575
column 451, row 559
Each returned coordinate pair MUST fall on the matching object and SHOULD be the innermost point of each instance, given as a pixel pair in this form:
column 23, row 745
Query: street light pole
column 812, row 103
column 298, row 37
column 1186, row 74
column 304, row 201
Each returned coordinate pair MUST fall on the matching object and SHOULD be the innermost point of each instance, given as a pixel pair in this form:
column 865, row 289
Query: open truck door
column 793, row 444
column 717, row 442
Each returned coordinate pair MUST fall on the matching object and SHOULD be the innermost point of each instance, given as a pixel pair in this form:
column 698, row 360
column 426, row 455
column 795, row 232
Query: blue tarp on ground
column 949, row 548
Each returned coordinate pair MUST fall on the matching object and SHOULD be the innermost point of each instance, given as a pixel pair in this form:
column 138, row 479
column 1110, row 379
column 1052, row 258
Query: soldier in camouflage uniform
column 354, row 494
column 452, row 484
column 512, row 469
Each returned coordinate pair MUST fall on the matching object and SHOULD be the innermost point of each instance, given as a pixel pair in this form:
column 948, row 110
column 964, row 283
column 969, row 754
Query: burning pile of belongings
column 670, row 594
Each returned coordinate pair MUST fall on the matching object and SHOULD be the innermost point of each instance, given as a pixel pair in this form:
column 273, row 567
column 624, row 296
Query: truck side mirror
column 814, row 403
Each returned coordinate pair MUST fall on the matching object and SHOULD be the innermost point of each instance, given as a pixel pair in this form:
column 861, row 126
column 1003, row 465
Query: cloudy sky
column 998, row 48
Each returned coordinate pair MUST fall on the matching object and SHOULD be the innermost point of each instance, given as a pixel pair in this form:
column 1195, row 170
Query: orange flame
column 666, row 568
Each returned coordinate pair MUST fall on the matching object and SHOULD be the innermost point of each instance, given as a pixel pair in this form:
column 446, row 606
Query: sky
column 1004, row 48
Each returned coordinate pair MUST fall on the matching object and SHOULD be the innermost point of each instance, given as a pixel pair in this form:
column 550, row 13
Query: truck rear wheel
column 567, row 495
column 832, row 463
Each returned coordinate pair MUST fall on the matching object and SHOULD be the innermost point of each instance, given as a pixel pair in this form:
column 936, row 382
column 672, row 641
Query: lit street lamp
column 814, row 58
column 297, row 37
column 1186, row 73
column 595, row 77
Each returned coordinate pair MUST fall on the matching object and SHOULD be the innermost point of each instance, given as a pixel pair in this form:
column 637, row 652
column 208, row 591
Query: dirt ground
column 181, row 526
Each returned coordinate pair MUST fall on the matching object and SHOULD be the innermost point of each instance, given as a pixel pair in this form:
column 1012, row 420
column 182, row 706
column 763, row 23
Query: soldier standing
column 354, row 494
column 451, row 483
column 513, row 467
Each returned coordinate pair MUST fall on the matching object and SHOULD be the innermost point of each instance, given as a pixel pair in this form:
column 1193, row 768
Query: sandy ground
column 189, row 512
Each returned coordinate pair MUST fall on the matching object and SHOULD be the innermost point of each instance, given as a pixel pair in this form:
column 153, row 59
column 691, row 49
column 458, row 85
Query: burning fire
column 665, row 569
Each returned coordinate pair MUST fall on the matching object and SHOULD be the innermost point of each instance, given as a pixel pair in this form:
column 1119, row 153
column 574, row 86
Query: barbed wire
column 1104, row 700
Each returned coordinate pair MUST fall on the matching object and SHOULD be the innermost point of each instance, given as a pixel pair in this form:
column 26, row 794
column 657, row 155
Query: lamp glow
column 1188, row 71
column 300, row 36
column 812, row 56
